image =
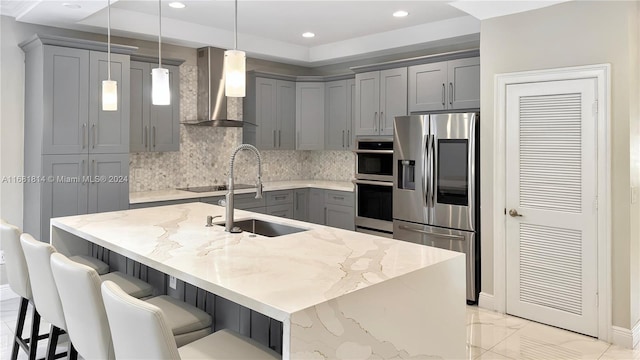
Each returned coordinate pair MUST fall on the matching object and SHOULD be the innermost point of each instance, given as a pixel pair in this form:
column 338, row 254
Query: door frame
column 602, row 72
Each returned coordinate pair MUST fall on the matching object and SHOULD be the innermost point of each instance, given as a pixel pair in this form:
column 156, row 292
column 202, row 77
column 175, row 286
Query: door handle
column 348, row 138
column 514, row 213
column 84, row 172
column 382, row 121
column 95, row 135
column 144, row 136
column 433, row 170
column 84, row 135
column 375, row 121
column 274, row 138
column 443, row 95
column 445, row 236
column 342, row 138
column 279, row 138
column 154, row 136
column 451, row 93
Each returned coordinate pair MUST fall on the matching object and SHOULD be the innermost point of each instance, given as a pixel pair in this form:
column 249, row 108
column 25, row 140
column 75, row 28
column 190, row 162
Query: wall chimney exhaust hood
column 212, row 103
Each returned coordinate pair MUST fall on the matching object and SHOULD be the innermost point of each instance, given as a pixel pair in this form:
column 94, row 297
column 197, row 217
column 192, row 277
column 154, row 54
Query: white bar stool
column 79, row 289
column 45, row 293
column 140, row 331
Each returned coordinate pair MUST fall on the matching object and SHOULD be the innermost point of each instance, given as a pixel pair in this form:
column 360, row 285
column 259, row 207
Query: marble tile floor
column 489, row 336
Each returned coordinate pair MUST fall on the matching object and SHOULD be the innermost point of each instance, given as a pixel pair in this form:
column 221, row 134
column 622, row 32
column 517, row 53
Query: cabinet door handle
column 295, row 200
column 375, row 121
column 342, row 138
column 95, row 135
column 144, row 136
column 84, row 172
column 451, row 93
column 84, row 135
column 338, row 198
column 281, row 197
column 382, row 121
column 279, row 138
column 274, row 138
column 297, row 139
column 348, row 138
column 443, row 94
column 154, row 136
column 95, row 169
column 325, row 216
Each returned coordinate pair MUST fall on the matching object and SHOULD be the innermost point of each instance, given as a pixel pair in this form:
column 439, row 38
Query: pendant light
column 109, row 87
column 160, row 91
column 235, row 65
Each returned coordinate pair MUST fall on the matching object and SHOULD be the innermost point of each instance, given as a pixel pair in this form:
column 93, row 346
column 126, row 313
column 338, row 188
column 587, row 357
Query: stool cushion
column 99, row 266
column 226, row 344
column 184, row 339
column 17, row 271
column 132, row 286
column 181, row 317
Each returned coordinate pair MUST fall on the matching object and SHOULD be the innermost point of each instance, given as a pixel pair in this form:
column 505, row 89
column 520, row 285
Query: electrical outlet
column 173, row 282
column 1, row 257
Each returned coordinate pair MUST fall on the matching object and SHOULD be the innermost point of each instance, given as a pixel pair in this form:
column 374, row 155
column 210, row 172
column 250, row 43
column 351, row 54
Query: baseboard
column 626, row 338
column 6, row 293
column 485, row 301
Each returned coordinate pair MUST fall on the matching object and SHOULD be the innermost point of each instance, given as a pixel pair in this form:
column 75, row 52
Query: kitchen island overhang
column 339, row 294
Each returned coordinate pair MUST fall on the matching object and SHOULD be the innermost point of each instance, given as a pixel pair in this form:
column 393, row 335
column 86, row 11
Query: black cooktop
column 210, row 188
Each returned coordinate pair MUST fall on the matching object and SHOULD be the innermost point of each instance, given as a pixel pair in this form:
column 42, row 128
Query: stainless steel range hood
column 212, row 103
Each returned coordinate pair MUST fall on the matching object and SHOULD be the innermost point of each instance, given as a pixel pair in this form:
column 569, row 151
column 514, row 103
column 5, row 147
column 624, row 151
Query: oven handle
column 373, row 151
column 446, row 236
column 371, row 182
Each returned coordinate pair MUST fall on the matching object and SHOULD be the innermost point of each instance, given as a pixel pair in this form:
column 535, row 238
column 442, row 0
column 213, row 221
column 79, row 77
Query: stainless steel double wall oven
column 374, row 185
column 436, row 187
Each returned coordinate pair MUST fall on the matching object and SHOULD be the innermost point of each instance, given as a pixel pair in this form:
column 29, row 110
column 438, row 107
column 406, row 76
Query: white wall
column 571, row 34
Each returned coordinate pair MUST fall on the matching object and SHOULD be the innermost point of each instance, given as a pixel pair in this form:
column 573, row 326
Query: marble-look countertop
column 276, row 276
column 173, row 194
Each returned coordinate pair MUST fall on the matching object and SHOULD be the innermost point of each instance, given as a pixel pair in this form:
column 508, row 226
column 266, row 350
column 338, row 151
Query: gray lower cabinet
column 79, row 184
column 316, row 206
column 301, row 204
column 153, row 127
column 340, row 209
column 447, row 85
column 310, row 117
column 79, row 151
column 285, row 210
column 280, row 203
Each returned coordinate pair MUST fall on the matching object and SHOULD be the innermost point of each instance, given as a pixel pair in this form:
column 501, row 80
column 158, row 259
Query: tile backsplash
column 204, row 154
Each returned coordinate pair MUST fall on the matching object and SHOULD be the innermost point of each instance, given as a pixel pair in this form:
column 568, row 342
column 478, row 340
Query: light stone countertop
column 276, row 276
column 173, row 194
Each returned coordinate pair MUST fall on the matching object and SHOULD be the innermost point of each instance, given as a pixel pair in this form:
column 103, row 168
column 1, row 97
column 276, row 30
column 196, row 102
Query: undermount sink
column 265, row 228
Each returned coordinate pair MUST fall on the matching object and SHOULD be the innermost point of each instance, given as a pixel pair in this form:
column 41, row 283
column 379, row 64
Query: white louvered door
column 551, row 233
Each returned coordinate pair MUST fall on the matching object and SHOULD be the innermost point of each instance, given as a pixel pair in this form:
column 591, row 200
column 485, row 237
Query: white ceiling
column 273, row 29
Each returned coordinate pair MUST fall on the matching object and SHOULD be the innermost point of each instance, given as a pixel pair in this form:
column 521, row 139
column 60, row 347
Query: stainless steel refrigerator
column 436, row 185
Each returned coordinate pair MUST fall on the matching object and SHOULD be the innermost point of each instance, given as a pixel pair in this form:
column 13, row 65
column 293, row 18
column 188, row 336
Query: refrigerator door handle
column 425, row 173
column 432, row 170
column 445, row 236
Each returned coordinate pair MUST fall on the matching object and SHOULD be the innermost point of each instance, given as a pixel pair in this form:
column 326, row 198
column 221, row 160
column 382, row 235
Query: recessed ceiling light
column 308, row 34
column 177, row 5
column 400, row 13
column 71, row 6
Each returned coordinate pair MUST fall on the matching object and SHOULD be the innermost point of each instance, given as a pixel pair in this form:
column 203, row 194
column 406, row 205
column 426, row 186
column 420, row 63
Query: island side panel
column 418, row 315
column 69, row 244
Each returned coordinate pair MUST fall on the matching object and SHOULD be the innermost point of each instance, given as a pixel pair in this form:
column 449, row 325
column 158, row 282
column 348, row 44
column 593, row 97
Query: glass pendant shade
column 235, row 73
column 109, row 95
column 160, row 91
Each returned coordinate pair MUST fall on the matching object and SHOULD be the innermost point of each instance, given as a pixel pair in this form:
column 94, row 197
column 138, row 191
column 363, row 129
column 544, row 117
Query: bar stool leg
column 53, row 342
column 22, row 314
column 73, row 354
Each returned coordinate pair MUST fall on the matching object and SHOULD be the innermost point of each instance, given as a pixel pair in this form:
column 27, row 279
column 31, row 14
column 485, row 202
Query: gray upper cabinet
column 109, row 130
column 380, row 96
column 351, row 111
column 447, row 85
column 81, row 150
column 310, row 115
column 153, row 127
column 270, row 105
column 337, row 115
column 65, row 95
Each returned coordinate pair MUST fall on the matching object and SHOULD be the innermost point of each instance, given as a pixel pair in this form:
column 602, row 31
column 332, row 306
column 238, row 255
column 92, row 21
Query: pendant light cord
column 235, row 26
column 159, row 33
column 109, row 39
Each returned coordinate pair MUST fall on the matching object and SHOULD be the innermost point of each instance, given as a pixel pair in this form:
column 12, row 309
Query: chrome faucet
column 228, row 225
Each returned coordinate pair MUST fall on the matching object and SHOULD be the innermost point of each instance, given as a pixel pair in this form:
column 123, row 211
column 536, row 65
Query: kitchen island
column 339, row 294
